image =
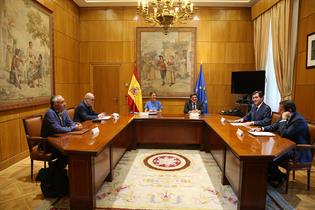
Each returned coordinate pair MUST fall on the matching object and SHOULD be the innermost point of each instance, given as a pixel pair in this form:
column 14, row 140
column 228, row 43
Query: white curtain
column 272, row 94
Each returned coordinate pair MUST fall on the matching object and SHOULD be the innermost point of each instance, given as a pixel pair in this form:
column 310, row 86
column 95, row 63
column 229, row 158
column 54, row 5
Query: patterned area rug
column 163, row 179
column 166, row 179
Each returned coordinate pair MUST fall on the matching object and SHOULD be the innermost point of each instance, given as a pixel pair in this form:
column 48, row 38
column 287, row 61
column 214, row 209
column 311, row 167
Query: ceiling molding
column 216, row 3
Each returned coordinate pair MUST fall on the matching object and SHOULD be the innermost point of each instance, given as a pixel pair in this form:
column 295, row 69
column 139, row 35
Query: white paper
column 256, row 133
column 104, row 118
column 144, row 114
column 237, row 124
column 194, row 115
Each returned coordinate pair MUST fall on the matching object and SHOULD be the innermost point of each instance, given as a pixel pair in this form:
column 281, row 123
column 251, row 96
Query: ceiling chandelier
column 165, row 12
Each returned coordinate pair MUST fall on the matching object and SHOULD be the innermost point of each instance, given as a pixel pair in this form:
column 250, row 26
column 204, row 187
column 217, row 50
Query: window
column 272, row 94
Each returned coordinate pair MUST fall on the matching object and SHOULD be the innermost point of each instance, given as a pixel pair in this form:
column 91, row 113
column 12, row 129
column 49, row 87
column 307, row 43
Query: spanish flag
column 134, row 93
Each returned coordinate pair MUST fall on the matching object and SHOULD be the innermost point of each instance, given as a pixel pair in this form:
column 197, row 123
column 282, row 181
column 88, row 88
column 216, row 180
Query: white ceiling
column 225, row 3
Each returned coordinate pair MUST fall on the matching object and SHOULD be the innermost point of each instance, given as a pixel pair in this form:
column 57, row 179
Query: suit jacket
column 52, row 124
column 261, row 117
column 295, row 129
column 83, row 113
column 188, row 106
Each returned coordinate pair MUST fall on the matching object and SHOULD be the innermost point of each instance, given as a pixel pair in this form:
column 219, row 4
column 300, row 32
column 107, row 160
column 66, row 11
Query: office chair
column 71, row 112
column 293, row 166
column 32, row 127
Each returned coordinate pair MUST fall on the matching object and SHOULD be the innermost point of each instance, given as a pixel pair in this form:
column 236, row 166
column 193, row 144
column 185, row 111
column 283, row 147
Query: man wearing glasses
column 56, row 120
column 84, row 111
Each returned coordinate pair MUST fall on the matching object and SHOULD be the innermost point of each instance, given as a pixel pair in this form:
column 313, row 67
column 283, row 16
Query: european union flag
column 200, row 90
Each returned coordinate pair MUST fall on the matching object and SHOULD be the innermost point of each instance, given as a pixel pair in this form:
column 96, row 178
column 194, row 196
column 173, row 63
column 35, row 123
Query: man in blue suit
column 56, row 120
column 260, row 113
column 293, row 126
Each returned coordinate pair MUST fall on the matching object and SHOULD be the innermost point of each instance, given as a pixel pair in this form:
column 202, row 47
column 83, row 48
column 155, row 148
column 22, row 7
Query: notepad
column 101, row 118
column 84, row 130
column 255, row 133
column 153, row 112
column 80, row 132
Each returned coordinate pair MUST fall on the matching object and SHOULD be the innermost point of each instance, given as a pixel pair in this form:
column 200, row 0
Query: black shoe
column 279, row 182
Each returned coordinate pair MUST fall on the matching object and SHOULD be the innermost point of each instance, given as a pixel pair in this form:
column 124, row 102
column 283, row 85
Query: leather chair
column 275, row 117
column 32, row 127
column 293, row 166
column 71, row 112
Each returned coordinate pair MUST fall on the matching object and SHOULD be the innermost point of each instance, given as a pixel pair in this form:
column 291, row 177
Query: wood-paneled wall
column 224, row 44
column 304, row 93
column 13, row 145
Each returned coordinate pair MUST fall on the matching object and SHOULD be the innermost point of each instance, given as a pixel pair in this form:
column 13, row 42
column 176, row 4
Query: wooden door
column 106, row 88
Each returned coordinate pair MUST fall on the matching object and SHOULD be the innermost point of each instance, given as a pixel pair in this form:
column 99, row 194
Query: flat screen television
column 246, row 82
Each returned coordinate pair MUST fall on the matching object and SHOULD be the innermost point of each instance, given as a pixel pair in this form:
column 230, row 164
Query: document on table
column 237, row 124
column 255, row 133
column 153, row 112
column 104, row 117
column 80, row 132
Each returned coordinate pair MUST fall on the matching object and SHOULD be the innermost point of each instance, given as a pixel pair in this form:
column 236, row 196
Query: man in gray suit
column 260, row 113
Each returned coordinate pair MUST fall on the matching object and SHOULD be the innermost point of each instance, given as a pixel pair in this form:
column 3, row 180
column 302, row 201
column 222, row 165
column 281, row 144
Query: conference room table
column 242, row 157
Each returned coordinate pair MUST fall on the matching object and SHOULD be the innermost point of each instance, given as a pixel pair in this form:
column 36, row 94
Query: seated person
column 293, row 126
column 260, row 113
column 153, row 104
column 84, row 111
column 193, row 105
column 56, row 120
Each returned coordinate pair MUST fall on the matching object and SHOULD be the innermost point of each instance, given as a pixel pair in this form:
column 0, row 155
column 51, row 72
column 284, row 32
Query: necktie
column 194, row 106
column 256, row 108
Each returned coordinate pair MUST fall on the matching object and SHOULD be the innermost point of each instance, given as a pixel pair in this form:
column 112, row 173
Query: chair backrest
column 33, row 125
column 71, row 112
column 311, row 130
column 275, row 116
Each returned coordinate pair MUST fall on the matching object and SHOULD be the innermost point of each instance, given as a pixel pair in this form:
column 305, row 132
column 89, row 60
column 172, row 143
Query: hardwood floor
column 17, row 189
column 18, row 192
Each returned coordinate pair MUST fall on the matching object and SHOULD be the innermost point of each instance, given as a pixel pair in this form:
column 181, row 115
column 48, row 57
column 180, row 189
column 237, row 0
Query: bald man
column 84, row 111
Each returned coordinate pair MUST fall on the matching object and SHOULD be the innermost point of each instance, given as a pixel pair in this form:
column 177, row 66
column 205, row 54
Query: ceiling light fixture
column 165, row 12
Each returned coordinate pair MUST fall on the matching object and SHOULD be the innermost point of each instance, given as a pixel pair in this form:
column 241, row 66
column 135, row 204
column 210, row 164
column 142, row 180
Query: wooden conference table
column 242, row 159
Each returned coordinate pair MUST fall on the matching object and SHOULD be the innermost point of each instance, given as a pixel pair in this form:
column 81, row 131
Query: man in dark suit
column 293, row 126
column 260, row 113
column 84, row 111
column 193, row 105
column 56, row 120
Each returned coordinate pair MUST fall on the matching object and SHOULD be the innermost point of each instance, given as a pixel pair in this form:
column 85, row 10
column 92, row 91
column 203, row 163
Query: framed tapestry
column 310, row 53
column 26, row 54
column 166, row 63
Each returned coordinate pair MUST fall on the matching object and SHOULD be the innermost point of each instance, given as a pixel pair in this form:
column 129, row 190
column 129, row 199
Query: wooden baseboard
column 8, row 162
